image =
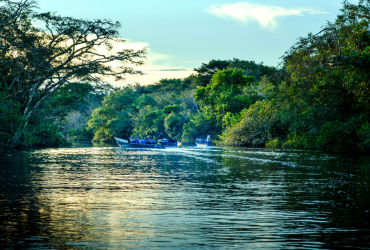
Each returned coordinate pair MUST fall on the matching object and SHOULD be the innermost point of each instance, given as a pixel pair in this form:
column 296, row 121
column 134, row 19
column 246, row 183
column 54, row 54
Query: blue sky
column 181, row 35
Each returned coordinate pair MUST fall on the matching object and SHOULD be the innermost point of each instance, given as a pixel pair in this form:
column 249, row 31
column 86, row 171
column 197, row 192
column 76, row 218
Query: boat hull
column 203, row 144
column 138, row 145
column 122, row 143
column 168, row 143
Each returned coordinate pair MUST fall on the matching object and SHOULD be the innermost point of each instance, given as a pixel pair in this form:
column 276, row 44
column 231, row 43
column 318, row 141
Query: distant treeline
column 317, row 98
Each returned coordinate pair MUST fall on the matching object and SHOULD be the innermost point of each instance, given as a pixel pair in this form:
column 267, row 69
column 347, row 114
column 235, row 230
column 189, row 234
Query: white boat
column 122, row 142
column 202, row 143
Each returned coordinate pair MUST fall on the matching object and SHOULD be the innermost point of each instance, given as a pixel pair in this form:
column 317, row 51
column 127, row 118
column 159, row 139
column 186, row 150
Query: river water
column 104, row 197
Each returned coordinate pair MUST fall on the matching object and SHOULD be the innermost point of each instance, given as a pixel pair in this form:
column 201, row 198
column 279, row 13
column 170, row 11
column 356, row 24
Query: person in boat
column 159, row 135
column 208, row 139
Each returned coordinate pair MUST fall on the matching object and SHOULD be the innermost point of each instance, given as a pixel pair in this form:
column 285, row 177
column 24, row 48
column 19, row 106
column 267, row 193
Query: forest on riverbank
column 51, row 93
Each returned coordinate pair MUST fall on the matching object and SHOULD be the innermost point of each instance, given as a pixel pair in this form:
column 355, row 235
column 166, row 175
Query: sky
column 180, row 35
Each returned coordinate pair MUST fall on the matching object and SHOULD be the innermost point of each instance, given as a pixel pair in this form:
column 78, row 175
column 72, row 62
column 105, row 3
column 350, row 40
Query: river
column 100, row 196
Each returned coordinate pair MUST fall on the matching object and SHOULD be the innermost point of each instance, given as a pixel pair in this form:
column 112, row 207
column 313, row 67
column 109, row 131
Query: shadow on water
column 105, row 197
column 20, row 216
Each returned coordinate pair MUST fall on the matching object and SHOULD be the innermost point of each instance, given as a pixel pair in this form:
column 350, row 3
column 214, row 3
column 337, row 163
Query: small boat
column 202, row 143
column 122, row 142
column 181, row 143
column 168, row 142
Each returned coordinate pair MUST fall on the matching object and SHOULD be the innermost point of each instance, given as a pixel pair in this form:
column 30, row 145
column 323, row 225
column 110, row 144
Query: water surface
column 105, row 197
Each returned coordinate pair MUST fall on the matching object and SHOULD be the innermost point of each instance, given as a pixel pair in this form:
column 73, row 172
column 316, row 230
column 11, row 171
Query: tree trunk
column 17, row 135
column 15, row 138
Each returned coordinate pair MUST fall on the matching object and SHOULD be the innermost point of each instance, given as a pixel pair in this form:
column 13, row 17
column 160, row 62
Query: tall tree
column 36, row 61
column 206, row 71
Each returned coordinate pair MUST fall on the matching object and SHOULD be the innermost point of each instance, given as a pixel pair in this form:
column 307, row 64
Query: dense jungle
column 52, row 91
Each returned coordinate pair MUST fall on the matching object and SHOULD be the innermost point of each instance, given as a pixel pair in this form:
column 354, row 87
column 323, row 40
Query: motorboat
column 140, row 144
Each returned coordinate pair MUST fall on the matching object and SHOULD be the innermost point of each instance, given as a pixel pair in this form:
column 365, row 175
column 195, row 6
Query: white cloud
column 151, row 77
column 265, row 15
column 157, row 66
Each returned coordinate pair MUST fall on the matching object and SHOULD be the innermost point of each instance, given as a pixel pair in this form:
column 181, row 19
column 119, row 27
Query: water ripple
column 183, row 198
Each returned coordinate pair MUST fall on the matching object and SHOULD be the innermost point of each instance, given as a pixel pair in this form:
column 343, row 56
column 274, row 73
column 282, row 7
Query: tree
column 9, row 119
column 75, row 97
column 225, row 92
column 206, row 71
column 173, row 125
column 250, row 68
column 113, row 118
column 326, row 94
column 36, row 61
column 254, row 126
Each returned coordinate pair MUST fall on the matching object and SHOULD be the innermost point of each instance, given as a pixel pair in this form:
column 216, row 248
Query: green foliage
column 364, row 136
column 148, row 121
column 171, row 108
column 299, row 141
column 121, row 125
column 206, row 71
column 76, row 97
column 337, row 136
column 173, row 125
column 228, row 93
column 224, row 96
column 225, row 92
column 142, row 111
column 319, row 98
column 254, row 127
column 37, row 61
column 112, row 119
column 273, row 143
column 198, row 127
column 322, row 92
column 101, row 134
column 250, row 68
column 171, row 85
column 334, row 136
column 42, row 134
column 136, row 110
column 230, row 119
column 9, row 119
column 144, row 100
column 69, row 97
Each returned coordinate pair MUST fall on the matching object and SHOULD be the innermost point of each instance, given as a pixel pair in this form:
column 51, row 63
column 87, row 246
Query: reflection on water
column 105, row 197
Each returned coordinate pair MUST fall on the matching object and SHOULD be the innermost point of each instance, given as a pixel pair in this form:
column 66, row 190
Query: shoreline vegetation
column 52, row 92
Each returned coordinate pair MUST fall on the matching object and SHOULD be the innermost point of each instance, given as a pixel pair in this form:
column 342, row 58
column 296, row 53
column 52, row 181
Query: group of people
column 146, row 140
column 159, row 136
column 143, row 141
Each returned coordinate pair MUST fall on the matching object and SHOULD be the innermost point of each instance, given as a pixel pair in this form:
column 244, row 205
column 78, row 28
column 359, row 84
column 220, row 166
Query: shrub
column 364, row 136
column 273, row 143
column 337, row 136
